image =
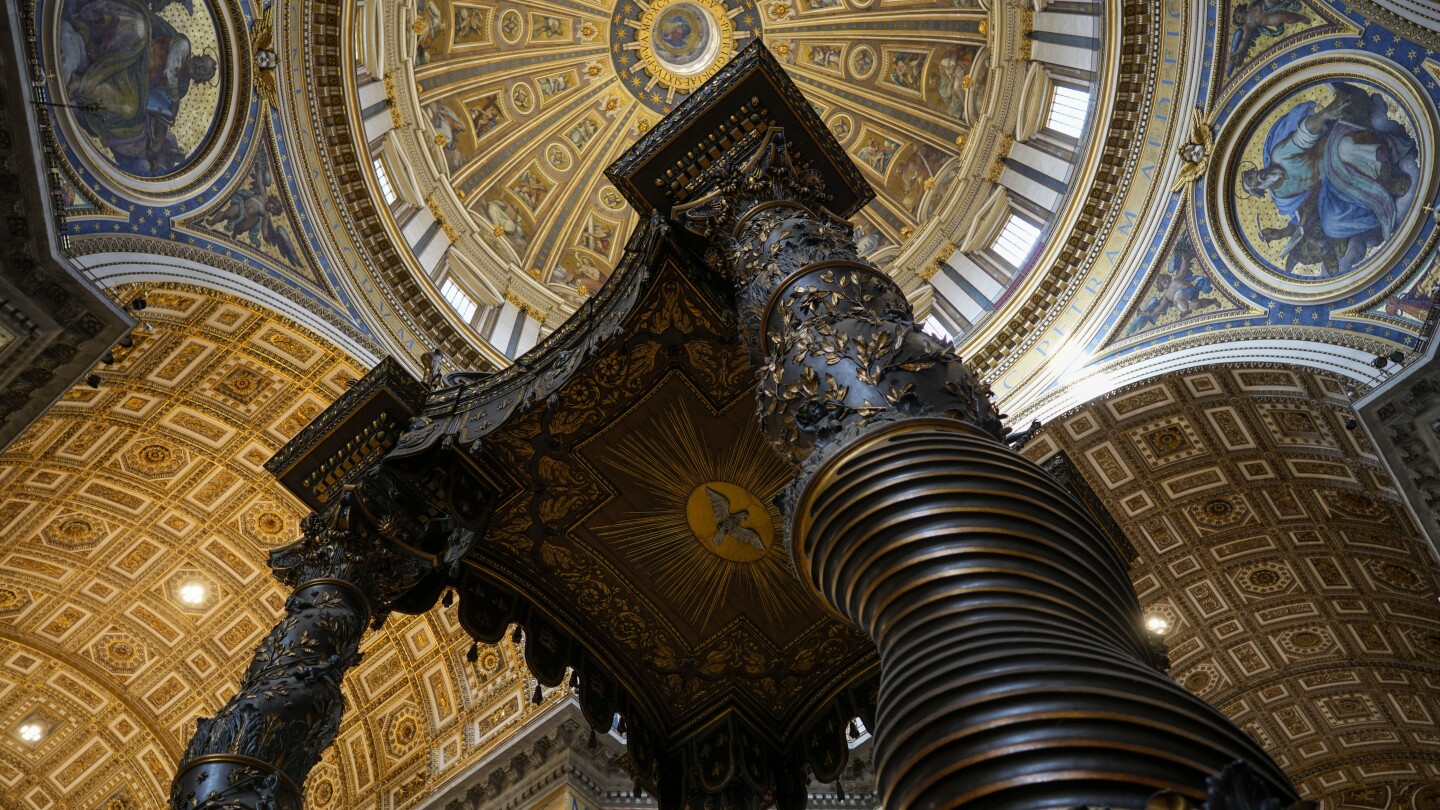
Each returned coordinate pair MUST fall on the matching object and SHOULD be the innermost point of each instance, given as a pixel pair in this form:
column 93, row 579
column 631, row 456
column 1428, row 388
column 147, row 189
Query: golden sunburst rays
column 709, row 533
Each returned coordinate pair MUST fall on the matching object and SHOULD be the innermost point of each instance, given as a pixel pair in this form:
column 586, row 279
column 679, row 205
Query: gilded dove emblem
column 727, row 521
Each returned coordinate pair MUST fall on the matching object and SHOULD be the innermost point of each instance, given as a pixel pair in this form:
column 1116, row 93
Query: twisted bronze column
column 346, row 571
column 1015, row 669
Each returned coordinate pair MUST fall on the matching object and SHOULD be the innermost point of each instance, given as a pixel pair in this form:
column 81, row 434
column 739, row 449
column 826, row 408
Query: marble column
column 1016, row 671
column 351, row 564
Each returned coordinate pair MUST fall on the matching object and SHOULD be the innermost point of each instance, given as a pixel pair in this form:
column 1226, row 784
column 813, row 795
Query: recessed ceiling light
column 1157, row 624
column 31, row 732
column 192, row 593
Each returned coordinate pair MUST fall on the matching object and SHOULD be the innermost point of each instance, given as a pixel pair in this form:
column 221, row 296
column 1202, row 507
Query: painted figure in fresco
column 586, row 274
column 953, row 80
column 470, row 24
column 251, row 214
column 508, row 224
column 532, row 189
column 825, row 57
column 876, row 155
column 448, row 125
column 430, row 34
column 582, row 132
column 676, row 32
column 485, row 116
column 595, row 236
column 1262, row 18
column 864, row 62
column 548, row 27
column 126, row 70
column 1180, row 291
column 1414, row 304
column 1344, row 174
column 908, row 182
column 906, row 70
column 868, row 239
column 553, row 85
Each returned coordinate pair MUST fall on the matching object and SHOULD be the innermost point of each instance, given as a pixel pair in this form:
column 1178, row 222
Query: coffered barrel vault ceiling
column 123, row 494
column 1301, row 598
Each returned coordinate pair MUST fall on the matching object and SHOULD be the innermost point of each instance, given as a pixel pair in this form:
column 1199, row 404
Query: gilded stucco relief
column 1301, row 599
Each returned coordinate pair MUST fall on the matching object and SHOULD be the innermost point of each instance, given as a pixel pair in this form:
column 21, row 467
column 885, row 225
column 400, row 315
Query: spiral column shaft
column 1015, row 670
column 347, row 570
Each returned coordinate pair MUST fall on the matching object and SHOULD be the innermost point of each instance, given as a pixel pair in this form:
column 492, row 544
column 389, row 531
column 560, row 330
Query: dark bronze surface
column 614, row 496
column 683, row 153
column 358, row 429
column 378, row 546
column 1017, row 672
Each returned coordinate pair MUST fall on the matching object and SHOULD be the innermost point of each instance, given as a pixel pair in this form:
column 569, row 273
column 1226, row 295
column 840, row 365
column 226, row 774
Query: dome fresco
column 519, row 108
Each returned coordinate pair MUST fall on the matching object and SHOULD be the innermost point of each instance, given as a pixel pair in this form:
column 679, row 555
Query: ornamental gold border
column 1240, row 128
column 724, row 33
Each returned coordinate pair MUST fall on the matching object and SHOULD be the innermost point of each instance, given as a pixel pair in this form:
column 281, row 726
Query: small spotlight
column 138, row 304
column 1157, row 624
column 31, row 732
column 1397, row 356
column 127, row 341
column 108, row 358
column 192, row 593
column 93, row 381
column 1350, row 423
column 1380, row 361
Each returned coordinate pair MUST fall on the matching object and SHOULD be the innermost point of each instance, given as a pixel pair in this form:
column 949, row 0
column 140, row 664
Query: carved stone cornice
column 558, row 749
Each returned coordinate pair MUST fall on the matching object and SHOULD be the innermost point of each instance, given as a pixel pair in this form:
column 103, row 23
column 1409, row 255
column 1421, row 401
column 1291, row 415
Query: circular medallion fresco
column 729, row 521
column 683, row 37
column 664, row 50
column 1324, row 180
column 143, row 81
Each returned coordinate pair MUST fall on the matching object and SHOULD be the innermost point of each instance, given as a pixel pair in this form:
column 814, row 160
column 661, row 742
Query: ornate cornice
column 1133, row 94
column 322, row 104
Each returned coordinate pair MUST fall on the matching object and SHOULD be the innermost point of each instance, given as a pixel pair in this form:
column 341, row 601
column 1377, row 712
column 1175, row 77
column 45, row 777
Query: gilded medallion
column 729, row 522
column 1323, row 178
column 668, row 48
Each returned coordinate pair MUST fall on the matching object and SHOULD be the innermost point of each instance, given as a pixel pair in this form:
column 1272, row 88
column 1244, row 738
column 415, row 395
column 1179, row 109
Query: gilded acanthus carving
column 354, row 560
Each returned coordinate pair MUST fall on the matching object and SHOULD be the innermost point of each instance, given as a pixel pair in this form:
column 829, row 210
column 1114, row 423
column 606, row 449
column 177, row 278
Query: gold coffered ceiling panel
column 1301, row 599
column 120, row 496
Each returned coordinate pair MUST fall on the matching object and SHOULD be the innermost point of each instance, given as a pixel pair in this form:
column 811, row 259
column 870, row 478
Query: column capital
column 366, row 538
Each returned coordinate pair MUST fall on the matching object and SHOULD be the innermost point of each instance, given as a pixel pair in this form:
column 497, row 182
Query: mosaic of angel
column 127, row 69
column 586, row 273
column 448, row 126
column 256, row 213
column 430, row 31
column 1250, row 22
column 1178, row 291
column 1343, row 174
column 954, row 80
